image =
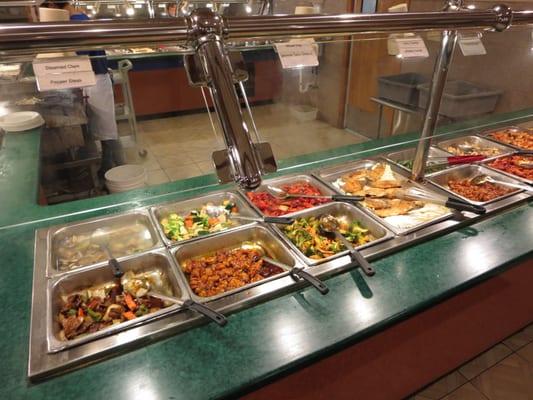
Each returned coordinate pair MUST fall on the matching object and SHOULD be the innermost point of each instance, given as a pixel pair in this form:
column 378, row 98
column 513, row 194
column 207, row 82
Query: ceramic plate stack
column 21, row 121
column 124, row 178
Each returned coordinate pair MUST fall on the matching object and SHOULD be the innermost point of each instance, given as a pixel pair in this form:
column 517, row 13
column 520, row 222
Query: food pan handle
column 206, row 311
column 279, row 220
column 462, row 206
column 349, row 199
column 116, row 268
column 299, row 273
column 367, row 268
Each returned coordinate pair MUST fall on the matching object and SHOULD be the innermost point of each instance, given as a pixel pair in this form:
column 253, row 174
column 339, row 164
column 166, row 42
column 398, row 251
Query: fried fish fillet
column 390, row 207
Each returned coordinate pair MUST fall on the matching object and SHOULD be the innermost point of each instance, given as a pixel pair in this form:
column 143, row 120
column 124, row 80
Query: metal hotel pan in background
column 488, row 135
column 137, row 219
column 331, row 175
column 101, row 274
column 525, row 180
column 475, row 140
column 255, row 233
column 467, row 172
column 409, row 154
column 351, row 213
column 185, row 206
column 324, row 189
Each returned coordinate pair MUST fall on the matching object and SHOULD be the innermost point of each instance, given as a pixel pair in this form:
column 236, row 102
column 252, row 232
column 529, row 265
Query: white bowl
column 21, row 121
column 126, row 174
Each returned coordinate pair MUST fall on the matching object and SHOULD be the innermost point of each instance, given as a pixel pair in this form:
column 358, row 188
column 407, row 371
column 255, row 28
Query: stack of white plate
column 124, row 178
column 21, row 121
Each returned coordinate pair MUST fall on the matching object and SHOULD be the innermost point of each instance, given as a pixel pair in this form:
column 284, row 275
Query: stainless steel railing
column 110, row 32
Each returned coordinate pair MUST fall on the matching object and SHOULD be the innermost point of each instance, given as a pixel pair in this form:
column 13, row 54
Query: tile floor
column 504, row 372
column 181, row 147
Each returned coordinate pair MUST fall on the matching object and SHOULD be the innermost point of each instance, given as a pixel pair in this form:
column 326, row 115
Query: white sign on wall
column 298, row 53
column 413, row 47
column 471, row 45
column 63, row 73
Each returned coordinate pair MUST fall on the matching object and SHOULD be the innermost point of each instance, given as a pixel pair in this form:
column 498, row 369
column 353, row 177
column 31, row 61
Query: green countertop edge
column 194, row 364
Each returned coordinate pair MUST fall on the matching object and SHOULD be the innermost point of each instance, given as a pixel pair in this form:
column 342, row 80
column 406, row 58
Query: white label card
column 63, row 73
column 412, row 47
column 472, row 46
column 65, row 81
column 298, row 53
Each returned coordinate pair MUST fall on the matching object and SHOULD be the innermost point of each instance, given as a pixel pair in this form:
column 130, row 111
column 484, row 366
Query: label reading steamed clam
column 414, row 47
column 298, row 53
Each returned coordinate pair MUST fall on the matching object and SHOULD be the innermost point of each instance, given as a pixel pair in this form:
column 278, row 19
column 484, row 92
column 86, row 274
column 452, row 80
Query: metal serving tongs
column 330, row 226
column 415, row 193
column 100, row 237
column 455, row 160
column 296, row 273
column 216, row 211
column 481, row 179
column 282, row 194
column 192, row 305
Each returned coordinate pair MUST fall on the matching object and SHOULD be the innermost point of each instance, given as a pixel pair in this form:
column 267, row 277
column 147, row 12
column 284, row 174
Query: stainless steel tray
column 332, row 174
column 184, row 207
column 525, row 180
column 138, row 220
column 475, row 140
column 256, row 233
column 409, row 154
column 469, row 171
column 99, row 275
column 351, row 213
column 324, row 189
column 487, row 135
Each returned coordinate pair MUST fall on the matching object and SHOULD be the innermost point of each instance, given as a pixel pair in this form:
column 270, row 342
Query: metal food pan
column 184, row 207
column 228, row 240
column 332, row 174
column 525, row 180
column 324, row 189
column 137, row 221
column 349, row 212
column 478, row 141
column 488, row 135
column 99, row 275
column 409, row 154
column 470, row 171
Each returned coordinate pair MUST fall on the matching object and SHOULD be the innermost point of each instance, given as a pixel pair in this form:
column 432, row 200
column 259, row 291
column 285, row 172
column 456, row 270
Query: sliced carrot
column 129, row 315
column 212, row 221
column 130, row 302
column 81, row 313
column 189, row 223
column 234, row 210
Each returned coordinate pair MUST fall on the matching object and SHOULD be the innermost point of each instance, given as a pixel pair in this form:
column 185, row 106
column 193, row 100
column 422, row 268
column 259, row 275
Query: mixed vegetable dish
column 199, row 222
column 306, row 234
column 275, row 207
column 430, row 168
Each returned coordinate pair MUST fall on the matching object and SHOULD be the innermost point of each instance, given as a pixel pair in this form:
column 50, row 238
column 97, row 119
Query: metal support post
column 440, row 73
column 243, row 161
